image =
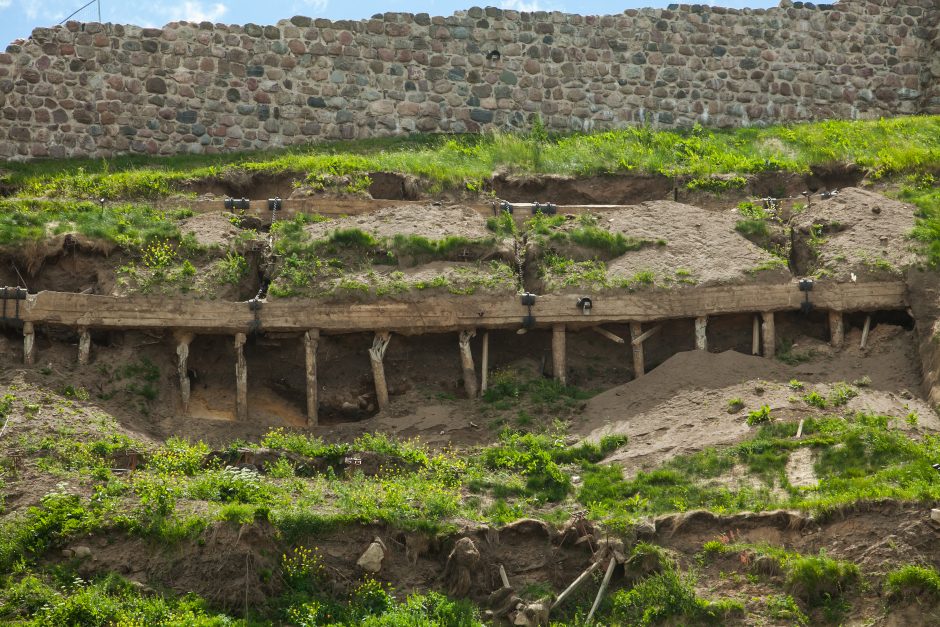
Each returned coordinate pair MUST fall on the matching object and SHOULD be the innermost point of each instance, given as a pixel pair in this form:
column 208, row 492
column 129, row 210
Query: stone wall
column 101, row 89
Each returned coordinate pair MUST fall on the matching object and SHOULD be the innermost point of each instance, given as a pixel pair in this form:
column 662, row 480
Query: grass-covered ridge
column 882, row 147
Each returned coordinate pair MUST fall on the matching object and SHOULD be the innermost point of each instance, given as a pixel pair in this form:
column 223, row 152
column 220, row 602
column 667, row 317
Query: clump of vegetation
column 913, row 581
column 759, row 416
column 735, row 405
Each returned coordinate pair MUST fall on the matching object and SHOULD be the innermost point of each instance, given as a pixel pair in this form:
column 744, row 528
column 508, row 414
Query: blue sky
column 19, row 17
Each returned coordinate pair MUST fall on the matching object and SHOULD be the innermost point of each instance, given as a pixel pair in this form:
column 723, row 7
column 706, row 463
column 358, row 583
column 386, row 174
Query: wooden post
column 865, row 330
column 701, row 339
column 29, row 344
column 558, row 354
column 485, row 366
column 755, row 337
column 377, row 354
column 84, row 346
column 311, row 340
column 183, row 341
column 600, row 592
column 770, row 342
column 241, row 378
column 836, row 329
column 636, row 330
column 466, row 362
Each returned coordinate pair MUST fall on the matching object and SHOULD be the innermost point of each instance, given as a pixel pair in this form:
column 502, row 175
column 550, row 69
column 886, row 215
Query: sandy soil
column 431, row 221
column 681, row 406
column 210, row 229
column 863, row 233
column 700, row 241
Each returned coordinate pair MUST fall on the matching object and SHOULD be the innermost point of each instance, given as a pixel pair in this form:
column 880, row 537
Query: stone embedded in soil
column 371, row 560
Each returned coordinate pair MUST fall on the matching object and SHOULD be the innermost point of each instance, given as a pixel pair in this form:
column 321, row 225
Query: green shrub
column 759, row 416
column 668, row 597
column 735, row 405
column 752, row 227
column 913, row 581
column 817, row 579
column 815, row 399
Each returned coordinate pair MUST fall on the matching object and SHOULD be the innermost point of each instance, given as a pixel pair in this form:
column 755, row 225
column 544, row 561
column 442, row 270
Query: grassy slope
column 883, row 147
column 180, row 491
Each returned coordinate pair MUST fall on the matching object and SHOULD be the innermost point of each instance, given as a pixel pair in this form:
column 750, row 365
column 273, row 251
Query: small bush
column 735, row 405
column 815, row 399
column 759, row 416
column 818, row 579
column 913, row 581
column 668, row 597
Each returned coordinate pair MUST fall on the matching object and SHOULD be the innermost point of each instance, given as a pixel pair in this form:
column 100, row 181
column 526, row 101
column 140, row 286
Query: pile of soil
column 431, row 221
column 681, row 407
column 697, row 240
column 856, row 232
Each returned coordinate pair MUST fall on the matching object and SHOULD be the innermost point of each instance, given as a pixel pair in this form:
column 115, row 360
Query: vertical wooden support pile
column 466, row 362
column 701, row 337
column 241, row 378
column 311, row 341
column 559, row 367
column 84, row 346
column 865, row 329
column 376, row 355
column 755, row 336
column 636, row 330
column 485, row 366
column 183, row 340
column 29, row 344
column 770, row 342
column 836, row 329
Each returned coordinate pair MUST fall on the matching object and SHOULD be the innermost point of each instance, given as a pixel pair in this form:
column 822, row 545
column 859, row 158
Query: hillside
column 432, row 380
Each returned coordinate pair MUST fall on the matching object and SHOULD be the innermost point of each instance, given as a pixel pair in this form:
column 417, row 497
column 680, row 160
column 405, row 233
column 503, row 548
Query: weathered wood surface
column 445, row 313
column 336, row 207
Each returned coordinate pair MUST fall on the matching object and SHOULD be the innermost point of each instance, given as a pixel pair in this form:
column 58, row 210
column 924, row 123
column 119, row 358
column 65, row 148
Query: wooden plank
column 445, row 313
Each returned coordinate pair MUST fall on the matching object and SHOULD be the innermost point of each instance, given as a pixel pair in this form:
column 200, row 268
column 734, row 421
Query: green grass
column 129, row 226
column 454, row 162
column 857, row 459
column 924, row 192
column 913, row 581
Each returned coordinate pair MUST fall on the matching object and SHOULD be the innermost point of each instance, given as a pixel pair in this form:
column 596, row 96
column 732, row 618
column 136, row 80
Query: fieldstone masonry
column 101, row 89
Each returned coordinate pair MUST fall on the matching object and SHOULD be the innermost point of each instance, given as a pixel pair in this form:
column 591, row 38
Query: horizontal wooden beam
column 336, row 207
column 444, row 313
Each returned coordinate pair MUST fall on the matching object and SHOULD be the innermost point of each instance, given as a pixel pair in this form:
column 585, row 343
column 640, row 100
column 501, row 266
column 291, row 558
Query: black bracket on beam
column 11, row 312
column 806, row 286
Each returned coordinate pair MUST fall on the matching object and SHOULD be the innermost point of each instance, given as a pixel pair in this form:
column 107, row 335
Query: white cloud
column 5, row 4
column 315, row 5
column 521, row 5
column 191, row 11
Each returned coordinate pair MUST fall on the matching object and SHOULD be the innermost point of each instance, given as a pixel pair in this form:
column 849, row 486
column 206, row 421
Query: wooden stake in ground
column 755, row 337
column 576, row 583
column 311, row 341
column 183, row 341
column 29, row 344
column 636, row 330
column 701, row 339
column 836, row 329
column 241, row 378
column 466, row 363
column 84, row 346
column 865, row 330
column 558, row 353
column 376, row 355
column 602, row 590
column 485, row 366
column 770, row 341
